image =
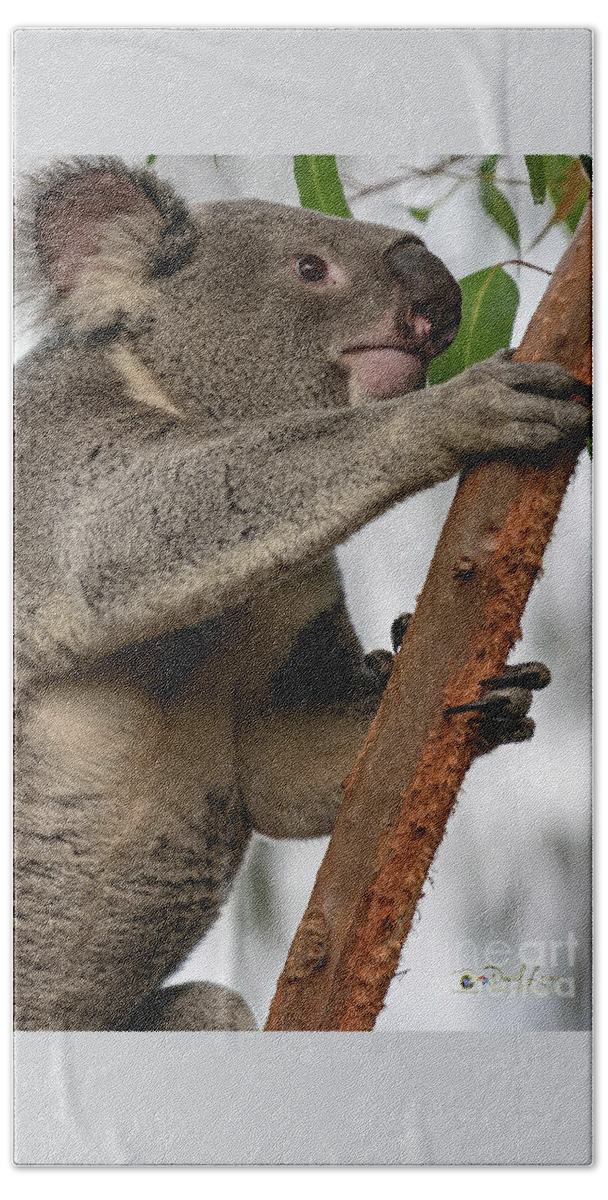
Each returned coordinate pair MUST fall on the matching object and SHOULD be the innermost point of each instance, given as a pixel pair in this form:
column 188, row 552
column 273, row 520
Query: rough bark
column 402, row 790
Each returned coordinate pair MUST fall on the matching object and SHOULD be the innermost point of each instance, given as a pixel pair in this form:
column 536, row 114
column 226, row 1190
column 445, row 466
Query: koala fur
column 226, row 395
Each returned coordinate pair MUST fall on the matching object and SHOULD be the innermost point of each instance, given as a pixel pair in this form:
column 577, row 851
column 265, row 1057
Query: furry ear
column 96, row 232
column 71, row 217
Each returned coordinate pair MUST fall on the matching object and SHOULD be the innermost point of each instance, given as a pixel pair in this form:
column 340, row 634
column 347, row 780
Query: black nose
column 429, row 292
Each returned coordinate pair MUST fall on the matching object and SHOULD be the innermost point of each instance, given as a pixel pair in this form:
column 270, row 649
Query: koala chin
column 226, row 394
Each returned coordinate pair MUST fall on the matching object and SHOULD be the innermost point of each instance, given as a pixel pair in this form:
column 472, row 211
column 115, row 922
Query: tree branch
column 404, row 785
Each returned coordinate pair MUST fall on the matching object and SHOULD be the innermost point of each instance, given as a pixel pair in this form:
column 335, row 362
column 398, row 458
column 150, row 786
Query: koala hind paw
column 187, row 1007
column 399, row 629
column 500, row 715
column 378, row 665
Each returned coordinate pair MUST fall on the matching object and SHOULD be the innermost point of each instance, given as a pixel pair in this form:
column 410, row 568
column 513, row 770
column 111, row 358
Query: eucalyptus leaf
column 536, row 174
column 489, row 304
column 568, row 187
column 489, row 164
column 319, row 184
column 576, row 212
column 421, row 214
column 498, row 208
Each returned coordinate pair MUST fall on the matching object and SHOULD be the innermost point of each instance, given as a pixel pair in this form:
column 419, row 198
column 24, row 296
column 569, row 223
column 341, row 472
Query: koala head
column 240, row 308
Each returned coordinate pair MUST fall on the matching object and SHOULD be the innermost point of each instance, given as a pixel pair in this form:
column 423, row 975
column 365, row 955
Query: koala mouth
column 385, row 371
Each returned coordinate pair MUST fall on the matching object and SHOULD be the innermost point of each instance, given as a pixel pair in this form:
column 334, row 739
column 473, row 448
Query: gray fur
column 190, row 449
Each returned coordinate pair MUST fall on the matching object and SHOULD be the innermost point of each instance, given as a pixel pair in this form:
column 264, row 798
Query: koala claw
column 398, row 629
column 500, row 715
column 545, row 378
column 379, row 663
column 534, row 675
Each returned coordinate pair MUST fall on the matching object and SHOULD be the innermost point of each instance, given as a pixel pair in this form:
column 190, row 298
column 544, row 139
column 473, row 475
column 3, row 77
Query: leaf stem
column 521, row 262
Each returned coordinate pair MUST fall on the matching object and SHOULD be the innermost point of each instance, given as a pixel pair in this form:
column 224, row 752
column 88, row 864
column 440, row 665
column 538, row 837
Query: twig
column 521, row 262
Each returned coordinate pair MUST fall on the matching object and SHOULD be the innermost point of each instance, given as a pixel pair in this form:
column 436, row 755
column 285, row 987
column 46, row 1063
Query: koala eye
column 311, row 268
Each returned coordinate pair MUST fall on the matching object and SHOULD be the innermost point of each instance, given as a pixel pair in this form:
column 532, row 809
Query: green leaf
column 589, row 445
column 489, row 303
column 576, row 212
column 489, row 164
column 150, row 159
column 587, row 162
column 568, row 187
column 536, row 174
column 421, row 214
column 498, row 208
column 319, row 184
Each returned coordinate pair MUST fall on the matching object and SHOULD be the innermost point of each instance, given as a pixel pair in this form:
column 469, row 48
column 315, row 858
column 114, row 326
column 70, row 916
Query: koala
column 225, row 395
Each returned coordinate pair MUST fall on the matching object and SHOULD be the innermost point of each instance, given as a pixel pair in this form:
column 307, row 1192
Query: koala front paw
column 500, row 715
column 519, row 407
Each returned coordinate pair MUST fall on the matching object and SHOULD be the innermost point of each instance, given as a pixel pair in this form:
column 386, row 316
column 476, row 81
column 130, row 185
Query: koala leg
column 129, row 832
column 299, row 734
column 292, row 765
column 500, row 716
column 191, row 1006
